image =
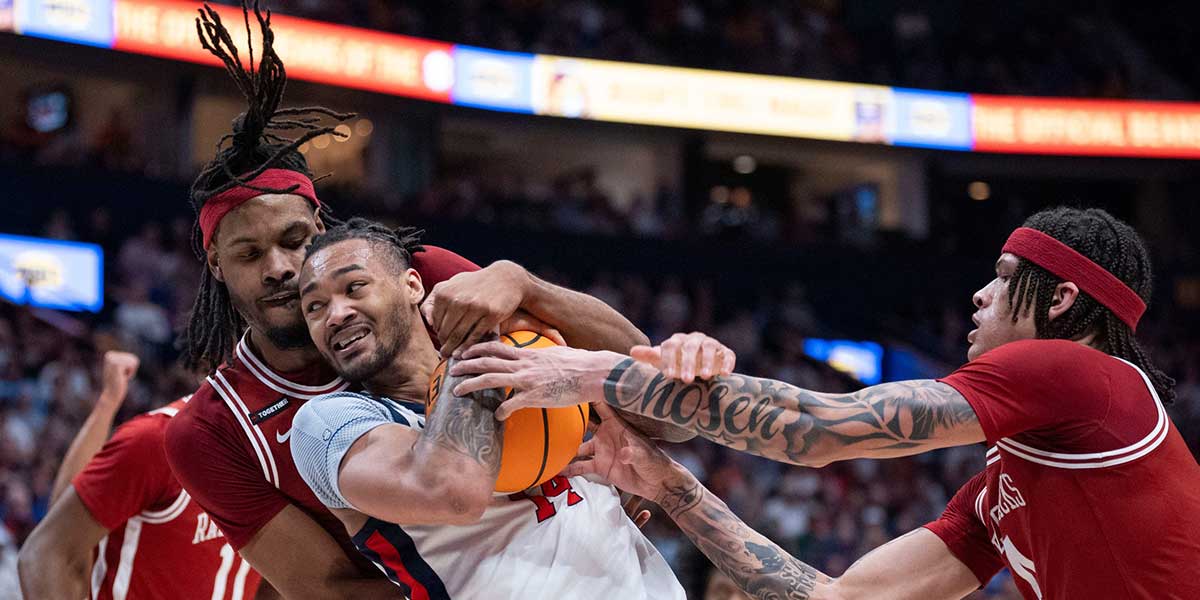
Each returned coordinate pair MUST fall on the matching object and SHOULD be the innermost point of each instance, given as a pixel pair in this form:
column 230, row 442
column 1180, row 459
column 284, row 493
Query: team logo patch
column 270, row 411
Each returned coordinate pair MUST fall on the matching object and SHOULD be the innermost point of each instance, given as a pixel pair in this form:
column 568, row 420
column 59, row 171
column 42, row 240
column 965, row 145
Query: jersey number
column 1021, row 566
column 228, row 557
column 556, row 486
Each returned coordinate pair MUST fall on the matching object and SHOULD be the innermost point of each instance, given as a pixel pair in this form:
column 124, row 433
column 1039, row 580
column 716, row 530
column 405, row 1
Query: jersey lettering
column 206, row 529
column 1010, row 499
column 556, row 486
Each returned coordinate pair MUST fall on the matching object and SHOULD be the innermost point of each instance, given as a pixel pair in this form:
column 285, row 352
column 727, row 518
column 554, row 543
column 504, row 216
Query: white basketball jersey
column 566, row 539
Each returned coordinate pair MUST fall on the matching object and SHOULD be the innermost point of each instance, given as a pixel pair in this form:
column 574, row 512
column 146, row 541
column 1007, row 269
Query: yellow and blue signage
column 52, row 273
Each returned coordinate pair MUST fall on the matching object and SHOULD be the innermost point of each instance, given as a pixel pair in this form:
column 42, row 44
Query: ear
column 317, row 220
column 414, row 286
column 214, row 265
column 1063, row 299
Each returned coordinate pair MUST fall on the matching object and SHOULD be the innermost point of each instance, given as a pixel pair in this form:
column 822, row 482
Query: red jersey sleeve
column 1034, row 385
column 438, row 264
column 219, row 475
column 128, row 475
column 963, row 533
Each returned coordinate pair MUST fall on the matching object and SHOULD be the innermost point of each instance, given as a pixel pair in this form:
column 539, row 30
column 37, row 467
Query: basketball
column 538, row 442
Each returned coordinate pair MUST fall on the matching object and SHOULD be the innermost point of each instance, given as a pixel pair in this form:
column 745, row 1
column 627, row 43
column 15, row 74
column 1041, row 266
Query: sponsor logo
column 270, row 411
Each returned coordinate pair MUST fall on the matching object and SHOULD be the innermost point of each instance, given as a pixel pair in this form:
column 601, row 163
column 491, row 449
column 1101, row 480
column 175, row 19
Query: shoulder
column 204, row 427
column 438, row 264
column 333, row 411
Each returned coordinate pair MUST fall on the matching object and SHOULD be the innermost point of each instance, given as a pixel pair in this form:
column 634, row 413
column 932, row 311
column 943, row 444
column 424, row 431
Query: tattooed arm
column 916, row 566
column 443, row 474
column 760, row 416
column 786, row 423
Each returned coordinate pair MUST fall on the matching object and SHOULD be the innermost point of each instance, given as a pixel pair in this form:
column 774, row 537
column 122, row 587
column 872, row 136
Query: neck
column 407, row 378
column 282, row 359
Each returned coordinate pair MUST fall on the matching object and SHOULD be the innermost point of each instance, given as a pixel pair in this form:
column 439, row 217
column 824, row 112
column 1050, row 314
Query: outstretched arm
column 915, row 566
column 760, row 416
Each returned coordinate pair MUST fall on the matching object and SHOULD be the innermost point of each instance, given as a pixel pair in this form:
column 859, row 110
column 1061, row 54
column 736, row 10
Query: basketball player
column 151, row 540
column 1089, row 491
column 416, row 494
column 230, row 448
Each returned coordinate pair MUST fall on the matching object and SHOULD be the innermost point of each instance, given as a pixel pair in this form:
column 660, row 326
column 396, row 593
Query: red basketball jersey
column 230, row 448
column 161, row 544
column 1089, row 491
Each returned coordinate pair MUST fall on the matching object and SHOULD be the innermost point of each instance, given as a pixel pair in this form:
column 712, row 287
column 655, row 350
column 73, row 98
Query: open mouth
column 347, row 341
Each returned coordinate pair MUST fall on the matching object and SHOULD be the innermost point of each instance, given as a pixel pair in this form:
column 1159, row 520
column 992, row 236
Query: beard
column 289, row 337
column 390, row 339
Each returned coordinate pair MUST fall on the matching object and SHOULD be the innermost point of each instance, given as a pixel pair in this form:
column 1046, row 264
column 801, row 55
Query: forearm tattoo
column 757, row 565
column 467, row 425
column 786, row 423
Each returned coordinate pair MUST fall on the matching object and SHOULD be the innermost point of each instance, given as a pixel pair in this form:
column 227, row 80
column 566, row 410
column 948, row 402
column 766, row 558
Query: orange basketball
column 538, row 442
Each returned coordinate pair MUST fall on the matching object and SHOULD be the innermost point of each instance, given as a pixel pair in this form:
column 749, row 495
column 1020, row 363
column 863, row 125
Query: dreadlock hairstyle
column 403, row 242
column 1115, row 246
column 255, row 145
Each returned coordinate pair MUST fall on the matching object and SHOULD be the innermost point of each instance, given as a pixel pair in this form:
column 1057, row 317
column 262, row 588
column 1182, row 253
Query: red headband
column 1067, row 264
column 218, row 206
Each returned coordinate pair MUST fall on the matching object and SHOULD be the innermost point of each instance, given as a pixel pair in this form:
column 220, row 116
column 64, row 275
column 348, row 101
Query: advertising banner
column 80, row 21
column 51, row 273
column 1090, row 127
column 333, row 54
column 931, row 119
column 698, row 99
column 492, row 79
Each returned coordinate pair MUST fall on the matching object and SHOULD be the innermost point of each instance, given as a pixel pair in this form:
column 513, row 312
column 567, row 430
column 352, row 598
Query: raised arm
column 916, row 566
column 442, row 474
column 119, row 368
column 760, row 416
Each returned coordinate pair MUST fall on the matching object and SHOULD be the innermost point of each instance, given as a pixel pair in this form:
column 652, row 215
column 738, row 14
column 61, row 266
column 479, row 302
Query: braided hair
column 1115, row 246
column 403, row 242
column 255, row 145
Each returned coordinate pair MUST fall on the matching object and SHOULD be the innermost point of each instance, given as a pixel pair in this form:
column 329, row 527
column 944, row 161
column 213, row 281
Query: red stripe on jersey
column 391, row 557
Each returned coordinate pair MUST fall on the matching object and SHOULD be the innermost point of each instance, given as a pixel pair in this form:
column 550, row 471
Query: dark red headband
column 1067, row 264
column 218, row 206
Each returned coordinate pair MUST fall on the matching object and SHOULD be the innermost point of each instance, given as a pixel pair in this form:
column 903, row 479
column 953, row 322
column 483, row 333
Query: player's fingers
column 687, row 361
column 708, row 359
column 604, row 411
column 670, row 357
column 517, row 402
column 727, row 362
column 587, row 448
column 641, row 519
column 651, row 355
column 483, row 365
column 632, row 505
column 555, row 336
column 580, row 467
column 493, row 349
column 486, row 381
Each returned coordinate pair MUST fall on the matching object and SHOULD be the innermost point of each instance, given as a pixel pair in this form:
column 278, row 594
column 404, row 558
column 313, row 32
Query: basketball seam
column 545, row 447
